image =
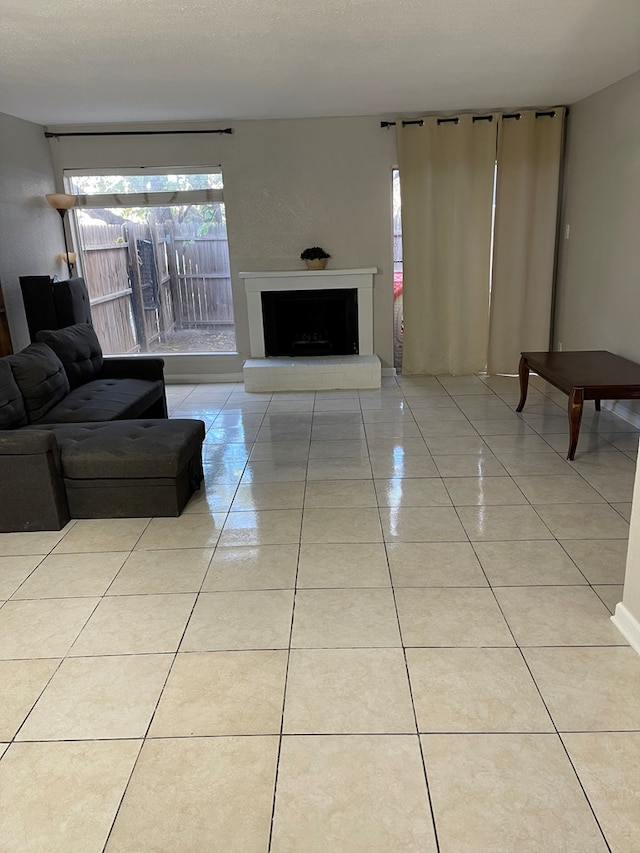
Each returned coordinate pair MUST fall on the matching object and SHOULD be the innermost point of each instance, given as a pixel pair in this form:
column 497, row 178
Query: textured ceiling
column 79, row 61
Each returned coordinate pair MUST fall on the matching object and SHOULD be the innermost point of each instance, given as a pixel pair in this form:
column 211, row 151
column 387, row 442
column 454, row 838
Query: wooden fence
column 105, row 259
column 147, row 280
column 203, row 276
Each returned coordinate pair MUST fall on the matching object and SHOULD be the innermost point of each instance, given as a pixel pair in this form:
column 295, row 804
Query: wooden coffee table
column 583, row 375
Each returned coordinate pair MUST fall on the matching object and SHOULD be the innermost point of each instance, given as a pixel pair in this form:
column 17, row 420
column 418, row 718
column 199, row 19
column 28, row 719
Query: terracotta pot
column 316, row 264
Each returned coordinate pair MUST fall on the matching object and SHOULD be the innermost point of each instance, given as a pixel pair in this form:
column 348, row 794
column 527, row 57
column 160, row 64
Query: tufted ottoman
column 133, row 468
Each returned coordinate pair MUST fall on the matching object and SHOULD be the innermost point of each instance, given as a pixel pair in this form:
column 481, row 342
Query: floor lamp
column 63, row 202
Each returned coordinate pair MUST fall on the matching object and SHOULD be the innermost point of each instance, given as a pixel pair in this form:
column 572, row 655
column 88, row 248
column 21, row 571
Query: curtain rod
column 454, row 120
column 50, row 135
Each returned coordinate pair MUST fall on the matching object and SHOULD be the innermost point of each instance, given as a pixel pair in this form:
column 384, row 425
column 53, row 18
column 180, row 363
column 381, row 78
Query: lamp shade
column 61, row 201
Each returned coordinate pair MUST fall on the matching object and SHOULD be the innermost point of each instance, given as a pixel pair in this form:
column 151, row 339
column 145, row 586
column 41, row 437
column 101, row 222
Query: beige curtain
column 446, row 174
column 529, row 156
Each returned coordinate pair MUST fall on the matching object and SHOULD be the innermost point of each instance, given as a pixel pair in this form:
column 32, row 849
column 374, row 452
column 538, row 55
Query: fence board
column 160, row 238
column 204, row 278
column 114, row 327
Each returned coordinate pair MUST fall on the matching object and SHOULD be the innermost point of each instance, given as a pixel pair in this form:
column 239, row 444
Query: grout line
column 286, row 675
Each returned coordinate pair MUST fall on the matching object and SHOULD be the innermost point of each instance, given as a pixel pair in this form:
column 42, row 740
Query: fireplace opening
column 302, row 323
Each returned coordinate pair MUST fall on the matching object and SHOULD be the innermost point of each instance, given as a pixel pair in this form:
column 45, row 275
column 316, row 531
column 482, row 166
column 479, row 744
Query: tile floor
column 383, row 627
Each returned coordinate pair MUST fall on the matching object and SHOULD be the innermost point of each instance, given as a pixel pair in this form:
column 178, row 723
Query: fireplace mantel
column 361, row 279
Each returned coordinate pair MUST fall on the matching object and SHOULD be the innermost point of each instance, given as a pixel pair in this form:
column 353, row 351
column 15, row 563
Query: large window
column 154, row 254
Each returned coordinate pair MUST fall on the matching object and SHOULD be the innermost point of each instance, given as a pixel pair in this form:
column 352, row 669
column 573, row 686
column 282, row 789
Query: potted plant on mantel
column 315, row 258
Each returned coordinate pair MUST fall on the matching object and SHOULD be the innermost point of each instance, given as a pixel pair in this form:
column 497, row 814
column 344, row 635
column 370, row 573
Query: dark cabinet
column 5, row 335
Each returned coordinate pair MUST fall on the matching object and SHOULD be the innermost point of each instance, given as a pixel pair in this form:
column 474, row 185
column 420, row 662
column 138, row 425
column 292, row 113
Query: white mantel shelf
column 255, row 283
column 306, row 273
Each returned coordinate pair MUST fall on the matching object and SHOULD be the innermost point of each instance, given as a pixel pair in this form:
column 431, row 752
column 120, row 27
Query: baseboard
column 628, row 626
column 623, row 409
column 201, row 378
column 211, row 378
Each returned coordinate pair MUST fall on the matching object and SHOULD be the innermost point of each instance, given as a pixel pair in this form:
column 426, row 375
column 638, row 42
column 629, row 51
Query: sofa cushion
column 106, row 400
column 124, row 450
column 78, row 349
column 12, row 411
column 41, row 378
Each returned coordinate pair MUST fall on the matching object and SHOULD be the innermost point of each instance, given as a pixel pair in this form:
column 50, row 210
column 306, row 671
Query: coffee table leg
column 523, row 372
column 597, row 405
column 576, row 402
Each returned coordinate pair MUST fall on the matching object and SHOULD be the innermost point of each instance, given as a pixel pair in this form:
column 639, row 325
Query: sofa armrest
column 27, row 442
column 122, row 367
column 147, row 368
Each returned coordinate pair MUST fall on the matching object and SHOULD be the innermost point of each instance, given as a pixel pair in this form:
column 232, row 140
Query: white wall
column 292, row 183
column 599, row 284
column 598, row 303
column 627, row 614
column 30, row 231
column 288, row 184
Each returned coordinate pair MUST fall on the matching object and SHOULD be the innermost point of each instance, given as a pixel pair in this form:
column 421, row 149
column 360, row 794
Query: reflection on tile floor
column 382, row 627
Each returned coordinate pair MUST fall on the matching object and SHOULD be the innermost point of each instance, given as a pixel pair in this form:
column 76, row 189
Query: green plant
column 313, row 254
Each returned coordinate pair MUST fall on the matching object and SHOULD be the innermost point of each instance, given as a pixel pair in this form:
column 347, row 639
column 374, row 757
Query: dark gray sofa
column 63, row 378
column 86, row 437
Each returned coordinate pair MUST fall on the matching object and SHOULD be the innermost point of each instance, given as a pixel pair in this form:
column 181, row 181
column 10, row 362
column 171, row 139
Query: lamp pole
column 63, row 202
column 62, row 212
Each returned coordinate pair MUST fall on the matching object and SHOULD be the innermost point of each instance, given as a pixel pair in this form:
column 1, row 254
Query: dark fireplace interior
column 310, row 322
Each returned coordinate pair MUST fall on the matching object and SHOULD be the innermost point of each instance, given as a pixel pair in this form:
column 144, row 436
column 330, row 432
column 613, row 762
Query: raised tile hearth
column 326, row 373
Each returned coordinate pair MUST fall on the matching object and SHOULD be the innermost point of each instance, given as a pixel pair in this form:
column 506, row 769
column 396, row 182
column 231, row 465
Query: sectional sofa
column 83, row 436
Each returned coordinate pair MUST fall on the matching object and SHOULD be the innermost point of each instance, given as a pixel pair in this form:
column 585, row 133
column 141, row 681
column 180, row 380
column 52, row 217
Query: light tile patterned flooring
column 383, row 626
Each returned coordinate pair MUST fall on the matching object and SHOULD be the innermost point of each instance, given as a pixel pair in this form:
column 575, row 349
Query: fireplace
column 316, row 327
column 308, row 323
column 359, row 314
